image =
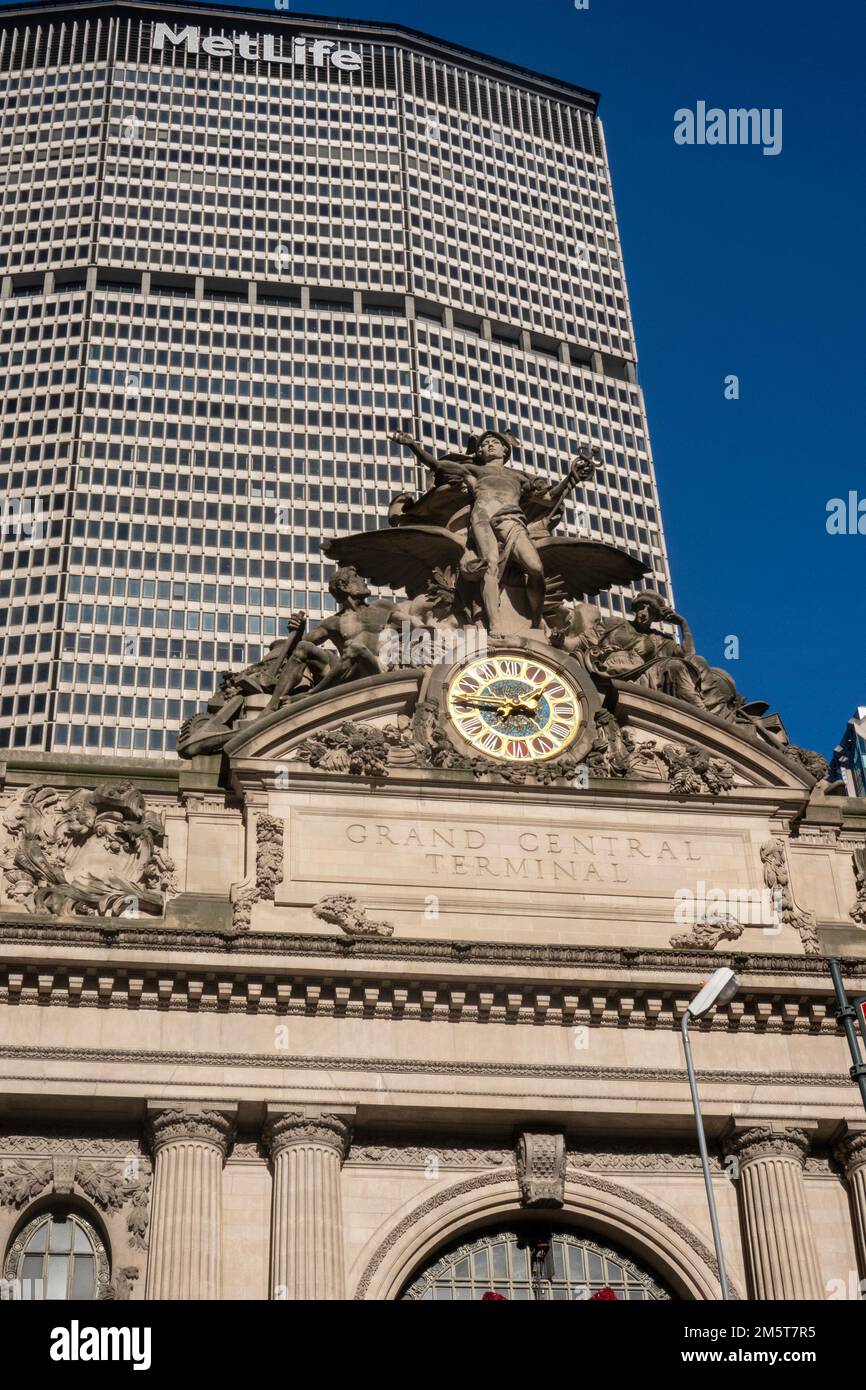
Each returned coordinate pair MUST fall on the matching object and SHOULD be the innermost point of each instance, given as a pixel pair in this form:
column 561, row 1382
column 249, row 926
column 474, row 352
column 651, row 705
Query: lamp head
column 720, row 987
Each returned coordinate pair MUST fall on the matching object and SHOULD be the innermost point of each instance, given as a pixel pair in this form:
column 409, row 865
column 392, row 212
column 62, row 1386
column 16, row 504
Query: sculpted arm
column 688, row 642
column 318, row 635
column 422, row 455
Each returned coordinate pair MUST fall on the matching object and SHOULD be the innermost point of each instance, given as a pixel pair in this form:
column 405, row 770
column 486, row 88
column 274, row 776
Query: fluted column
column 189, row 1148
column 307, row 1149
column 783, row 1262
column 850, row 1152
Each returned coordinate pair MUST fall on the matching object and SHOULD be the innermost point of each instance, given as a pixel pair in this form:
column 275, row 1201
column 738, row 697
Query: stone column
column 189, row 1148
column 849, row 1151
column 307, row 1148
column 780, row 1245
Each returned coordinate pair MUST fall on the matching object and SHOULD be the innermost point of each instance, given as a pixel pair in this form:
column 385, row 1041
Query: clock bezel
column 439, row 681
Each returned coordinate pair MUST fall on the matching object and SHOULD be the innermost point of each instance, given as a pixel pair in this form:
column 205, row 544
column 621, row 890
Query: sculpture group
column 477, row 550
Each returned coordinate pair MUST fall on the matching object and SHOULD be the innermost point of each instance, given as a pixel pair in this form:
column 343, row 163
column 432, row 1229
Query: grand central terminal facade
column 340, row 1009
column 375, row 991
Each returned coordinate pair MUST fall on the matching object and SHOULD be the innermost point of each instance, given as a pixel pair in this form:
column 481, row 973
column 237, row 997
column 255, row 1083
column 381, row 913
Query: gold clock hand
column 486, row 700
column 531, row 702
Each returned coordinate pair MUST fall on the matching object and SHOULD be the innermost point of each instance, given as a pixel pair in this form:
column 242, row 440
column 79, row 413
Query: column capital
column 309, row 1124
column 849, row 1147
column 751, row 1142
column 171, row 1123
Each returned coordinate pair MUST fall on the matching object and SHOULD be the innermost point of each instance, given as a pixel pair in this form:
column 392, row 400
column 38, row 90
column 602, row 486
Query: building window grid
column 541, row 125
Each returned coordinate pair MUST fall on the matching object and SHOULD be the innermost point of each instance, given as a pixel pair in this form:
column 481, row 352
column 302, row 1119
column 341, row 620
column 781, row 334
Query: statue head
column 346, row 583
column 647, row 608
column 493, row 447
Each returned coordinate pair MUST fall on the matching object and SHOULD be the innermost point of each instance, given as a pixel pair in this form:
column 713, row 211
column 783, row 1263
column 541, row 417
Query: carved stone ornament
column 814, row 763
column 344, row 911
column 777, row 877
column 120, row 1287
column 858, row 911
column 110, row 1187
column 358, row 749
column 93, row 852
column 200, row 1126
column 65, row 1169
column 269, row 871
column 295, row 1127
column 363, row 750
column 690, row 770
column 541, row 1168
column 709, row 931
column 21, row 1182
column 770, row 1141
column 613, row 748
column 850, row 1152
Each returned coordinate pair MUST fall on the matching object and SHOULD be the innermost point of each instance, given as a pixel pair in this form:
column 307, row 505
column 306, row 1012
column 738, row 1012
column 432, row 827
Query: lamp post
column 846, row 1013
column 721, row 987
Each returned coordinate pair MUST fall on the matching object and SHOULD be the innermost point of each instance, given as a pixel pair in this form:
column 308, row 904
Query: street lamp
column 720, row 987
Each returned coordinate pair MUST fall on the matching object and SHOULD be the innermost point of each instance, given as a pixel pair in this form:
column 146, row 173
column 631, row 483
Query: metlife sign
column 297, row 52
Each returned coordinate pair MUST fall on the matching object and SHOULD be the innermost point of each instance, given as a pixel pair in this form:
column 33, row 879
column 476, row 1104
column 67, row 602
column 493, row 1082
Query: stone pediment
column 652, row 714
column 395, row 723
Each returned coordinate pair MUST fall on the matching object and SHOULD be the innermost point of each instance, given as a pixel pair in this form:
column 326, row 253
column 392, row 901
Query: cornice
column 628, row 1003
column 112, row 932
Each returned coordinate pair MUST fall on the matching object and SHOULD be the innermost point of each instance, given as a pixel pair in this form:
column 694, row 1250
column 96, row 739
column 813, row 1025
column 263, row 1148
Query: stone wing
column 587, row 567
column 398, row 557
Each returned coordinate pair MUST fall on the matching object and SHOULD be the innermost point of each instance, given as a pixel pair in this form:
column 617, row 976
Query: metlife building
column 238, row 252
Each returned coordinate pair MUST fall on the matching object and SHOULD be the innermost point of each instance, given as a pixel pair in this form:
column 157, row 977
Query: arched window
column 533, row 1262
column 58, row 1255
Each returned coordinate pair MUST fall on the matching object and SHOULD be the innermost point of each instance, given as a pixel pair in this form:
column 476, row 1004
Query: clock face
column 514, row 707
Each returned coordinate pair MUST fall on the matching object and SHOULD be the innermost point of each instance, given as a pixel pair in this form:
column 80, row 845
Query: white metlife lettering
column 321, row 51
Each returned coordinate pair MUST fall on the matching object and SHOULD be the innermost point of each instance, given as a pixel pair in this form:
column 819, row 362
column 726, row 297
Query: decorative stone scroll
column 269, row 871
column 777, row 877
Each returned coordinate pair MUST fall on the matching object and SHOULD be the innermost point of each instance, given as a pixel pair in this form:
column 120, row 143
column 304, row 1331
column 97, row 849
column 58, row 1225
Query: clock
column 514, row 707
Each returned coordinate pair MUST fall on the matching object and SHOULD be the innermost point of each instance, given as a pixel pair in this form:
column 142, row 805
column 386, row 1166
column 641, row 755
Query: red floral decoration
column 490, row 1297
column 604, row 1296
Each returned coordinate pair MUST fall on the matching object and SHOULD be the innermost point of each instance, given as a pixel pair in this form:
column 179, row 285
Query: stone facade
column 382, row 1006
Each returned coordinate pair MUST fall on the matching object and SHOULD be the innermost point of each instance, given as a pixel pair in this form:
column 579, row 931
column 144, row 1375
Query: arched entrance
column 614, row 1216
column 533, row 1261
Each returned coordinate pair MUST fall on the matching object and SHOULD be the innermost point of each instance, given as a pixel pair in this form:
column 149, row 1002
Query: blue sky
column 737, row 263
